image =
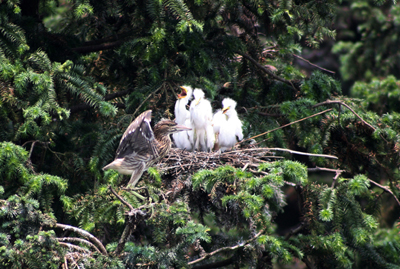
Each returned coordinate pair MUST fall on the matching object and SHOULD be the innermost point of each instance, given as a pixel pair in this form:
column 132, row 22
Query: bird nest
column 180, row 162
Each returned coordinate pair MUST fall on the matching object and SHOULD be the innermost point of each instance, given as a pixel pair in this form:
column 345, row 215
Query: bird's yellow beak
column 183, row 94
column 196, row 101
column 225, row 109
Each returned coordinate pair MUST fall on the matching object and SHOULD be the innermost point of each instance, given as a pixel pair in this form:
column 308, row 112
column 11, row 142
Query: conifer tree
column 73, row 75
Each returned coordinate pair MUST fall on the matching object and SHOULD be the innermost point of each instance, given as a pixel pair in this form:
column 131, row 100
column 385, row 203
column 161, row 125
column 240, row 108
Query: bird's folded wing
column 138, row 139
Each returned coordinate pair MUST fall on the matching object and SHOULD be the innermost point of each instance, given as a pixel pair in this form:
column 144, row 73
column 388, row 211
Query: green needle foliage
column 74, row 74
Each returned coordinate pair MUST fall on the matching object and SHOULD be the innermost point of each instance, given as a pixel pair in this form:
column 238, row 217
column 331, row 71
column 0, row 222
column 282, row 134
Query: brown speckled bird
column 140, row 148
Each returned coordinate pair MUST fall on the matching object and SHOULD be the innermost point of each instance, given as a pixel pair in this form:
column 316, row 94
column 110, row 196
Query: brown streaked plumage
column 140, row 147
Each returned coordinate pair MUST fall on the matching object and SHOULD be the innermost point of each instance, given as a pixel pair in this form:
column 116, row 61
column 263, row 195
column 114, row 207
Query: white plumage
column 219, row 119
column 201, row 118
column 230, row 130
column 183, row 140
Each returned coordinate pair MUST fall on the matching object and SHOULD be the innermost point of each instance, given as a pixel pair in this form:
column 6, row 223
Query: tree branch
column 84, row 234
column 98, row 47
column 207, row 255
column 310, row 63
column 265, row 70
column 286, row 125
column 79, row 240
column 386, row 189
column 337, row 171
column 329, row 102
column 217, row 264
column 85, row 106
column 68, row 245
column 124, row 237
column 121, row 199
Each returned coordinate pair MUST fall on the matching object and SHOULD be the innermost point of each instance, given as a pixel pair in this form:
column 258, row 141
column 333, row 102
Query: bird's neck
column 164, row 143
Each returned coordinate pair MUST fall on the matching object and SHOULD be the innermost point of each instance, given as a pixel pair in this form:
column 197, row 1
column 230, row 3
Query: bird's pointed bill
column 183, row 94
column 180, row 128
column 225, row 109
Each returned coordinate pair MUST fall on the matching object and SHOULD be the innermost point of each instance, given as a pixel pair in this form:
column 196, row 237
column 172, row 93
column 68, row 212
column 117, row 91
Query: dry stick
column 328, row 102
column 385, row 189
column 84, row 234
column 286, row 125
column 123, row 239
column 265, row 70
column 79, row 240
column 304, row 153
column 207, row 255
column 68, row 245
column 337, row 171
column 137, row 109
column 121, row 199
column 307, row 61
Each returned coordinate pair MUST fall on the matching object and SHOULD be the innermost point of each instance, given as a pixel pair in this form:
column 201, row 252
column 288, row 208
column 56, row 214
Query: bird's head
column 228, row 106
column 166, row 127
column 198, row 95
column 186, row 92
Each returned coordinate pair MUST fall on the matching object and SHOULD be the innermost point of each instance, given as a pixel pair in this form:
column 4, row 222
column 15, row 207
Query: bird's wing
column 138, row 138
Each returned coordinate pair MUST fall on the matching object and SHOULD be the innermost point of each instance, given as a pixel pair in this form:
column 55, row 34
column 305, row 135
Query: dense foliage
column 74, row 73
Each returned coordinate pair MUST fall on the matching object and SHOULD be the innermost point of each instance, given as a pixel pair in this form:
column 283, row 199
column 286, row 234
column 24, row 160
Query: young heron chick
column 230, row 130
column 183, row 140
column 140, row 147
column 201, row 118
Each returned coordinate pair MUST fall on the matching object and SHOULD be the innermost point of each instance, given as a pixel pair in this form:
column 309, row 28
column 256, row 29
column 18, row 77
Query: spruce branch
column 72, row 246
column 124, row 237
column 79, row 240
column 84, row 234
column 304, row 153
column 337, row 171
column 265, row 70
column 386, row 189
column 217, row 264
column 329, row 102
column 310, row 63
column 242, row 245
column 286, row 125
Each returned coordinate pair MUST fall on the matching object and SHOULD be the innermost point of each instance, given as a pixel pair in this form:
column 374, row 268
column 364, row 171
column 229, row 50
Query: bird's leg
column 136, row 175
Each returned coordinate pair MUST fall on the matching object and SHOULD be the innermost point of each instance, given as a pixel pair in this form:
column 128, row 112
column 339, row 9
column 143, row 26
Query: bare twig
column 84, row 234
column 265, row 70
column 207, row 255
column 79, row 240
column 386, row 189
column 144, row 101
column 78, row 248
column 307, row 61
column 304, row 153
column 329, row 102
column 124, row 237
column 286, row 125
column 337, row 171
column 121, row 199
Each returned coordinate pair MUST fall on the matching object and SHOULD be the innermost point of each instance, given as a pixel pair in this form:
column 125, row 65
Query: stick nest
column 180, row 162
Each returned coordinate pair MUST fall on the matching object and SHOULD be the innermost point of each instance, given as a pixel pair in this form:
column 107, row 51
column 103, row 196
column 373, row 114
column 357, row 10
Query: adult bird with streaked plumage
column 140, row 147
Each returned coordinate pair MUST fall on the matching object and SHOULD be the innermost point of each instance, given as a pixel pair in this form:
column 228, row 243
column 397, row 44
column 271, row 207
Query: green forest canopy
column 74, row 73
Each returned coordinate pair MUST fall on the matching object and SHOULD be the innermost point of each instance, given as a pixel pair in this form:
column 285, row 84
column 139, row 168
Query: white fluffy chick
column 219, row 119
column 231, row 130
column 183, row 140
column 201, row 118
